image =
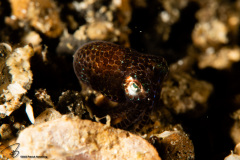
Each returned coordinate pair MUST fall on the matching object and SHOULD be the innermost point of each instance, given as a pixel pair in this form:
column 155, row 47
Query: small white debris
column 16, row 88
column 29, row 111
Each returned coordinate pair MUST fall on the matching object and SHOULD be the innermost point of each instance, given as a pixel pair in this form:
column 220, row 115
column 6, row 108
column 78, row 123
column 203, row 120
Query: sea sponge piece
column 73, row 138
column 221, row 59
column 43, row 15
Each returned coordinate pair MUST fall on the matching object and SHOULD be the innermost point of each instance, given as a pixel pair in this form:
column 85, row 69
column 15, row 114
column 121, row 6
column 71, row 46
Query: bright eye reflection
column 133, row 88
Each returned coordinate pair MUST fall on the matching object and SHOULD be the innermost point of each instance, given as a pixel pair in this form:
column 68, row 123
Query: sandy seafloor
column 199, row 108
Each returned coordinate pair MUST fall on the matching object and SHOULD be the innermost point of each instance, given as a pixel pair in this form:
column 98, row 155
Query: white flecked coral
column 19, row 69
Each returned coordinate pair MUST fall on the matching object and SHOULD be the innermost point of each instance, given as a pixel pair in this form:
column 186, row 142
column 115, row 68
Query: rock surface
column 73, row 138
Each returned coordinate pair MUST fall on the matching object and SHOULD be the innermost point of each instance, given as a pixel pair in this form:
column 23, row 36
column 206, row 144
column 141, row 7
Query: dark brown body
column 122, row 75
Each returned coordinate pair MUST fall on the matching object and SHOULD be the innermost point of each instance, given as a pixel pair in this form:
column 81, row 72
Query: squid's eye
column 134, row 87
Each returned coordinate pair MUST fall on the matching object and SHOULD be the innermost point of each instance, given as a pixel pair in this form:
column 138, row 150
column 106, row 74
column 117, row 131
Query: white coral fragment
column 210, row 33
column 16, row 89
column 19, row 65
column 19, row 69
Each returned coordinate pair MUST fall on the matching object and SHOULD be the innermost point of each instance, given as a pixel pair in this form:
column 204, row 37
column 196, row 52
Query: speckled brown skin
column 123, row 75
